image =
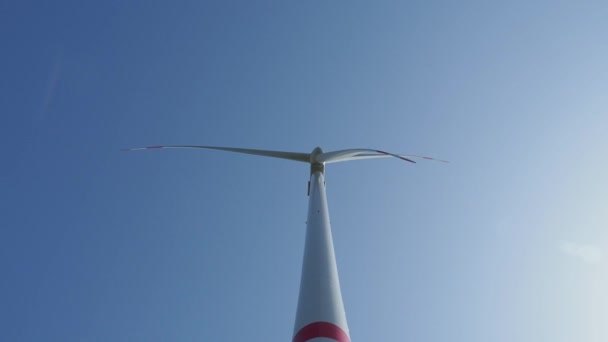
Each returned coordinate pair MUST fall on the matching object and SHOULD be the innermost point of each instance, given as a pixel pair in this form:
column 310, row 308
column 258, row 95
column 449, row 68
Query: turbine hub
column 315, row 164
column 313, row 155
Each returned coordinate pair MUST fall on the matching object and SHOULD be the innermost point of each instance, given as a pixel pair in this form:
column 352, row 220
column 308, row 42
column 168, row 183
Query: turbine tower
column 320, row 315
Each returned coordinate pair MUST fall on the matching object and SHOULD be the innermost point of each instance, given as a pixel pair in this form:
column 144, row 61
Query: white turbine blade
column 359, row 153
column 301, row 157
column 371, row 156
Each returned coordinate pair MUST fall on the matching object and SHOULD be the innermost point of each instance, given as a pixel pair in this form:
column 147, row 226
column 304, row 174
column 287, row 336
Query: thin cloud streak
column 590, row 254
column 51, row 86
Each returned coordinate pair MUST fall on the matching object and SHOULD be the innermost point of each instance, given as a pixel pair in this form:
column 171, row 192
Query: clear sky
column 509, row 242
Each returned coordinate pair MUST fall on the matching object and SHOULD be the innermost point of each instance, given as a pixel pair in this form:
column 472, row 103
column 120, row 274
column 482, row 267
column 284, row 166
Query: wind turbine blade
column 371, row 156
column 301, row 157
column 359, row 153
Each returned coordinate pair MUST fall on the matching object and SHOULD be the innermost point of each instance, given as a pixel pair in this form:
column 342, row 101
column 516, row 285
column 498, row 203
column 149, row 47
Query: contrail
column 51, row 85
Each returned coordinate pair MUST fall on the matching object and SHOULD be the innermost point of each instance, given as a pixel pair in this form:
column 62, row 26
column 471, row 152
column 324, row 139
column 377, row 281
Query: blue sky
column 506, row 243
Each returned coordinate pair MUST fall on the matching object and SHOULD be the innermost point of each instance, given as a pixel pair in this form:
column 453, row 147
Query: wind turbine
column 320, row 315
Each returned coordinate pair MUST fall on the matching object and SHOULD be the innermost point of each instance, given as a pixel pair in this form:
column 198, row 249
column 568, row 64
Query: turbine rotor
column 317, row 158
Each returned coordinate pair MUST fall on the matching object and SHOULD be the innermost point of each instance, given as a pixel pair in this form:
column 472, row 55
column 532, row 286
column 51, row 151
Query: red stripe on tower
column 321, row 329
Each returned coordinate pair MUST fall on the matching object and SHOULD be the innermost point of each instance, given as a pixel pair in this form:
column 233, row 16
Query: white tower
column 320, row 315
